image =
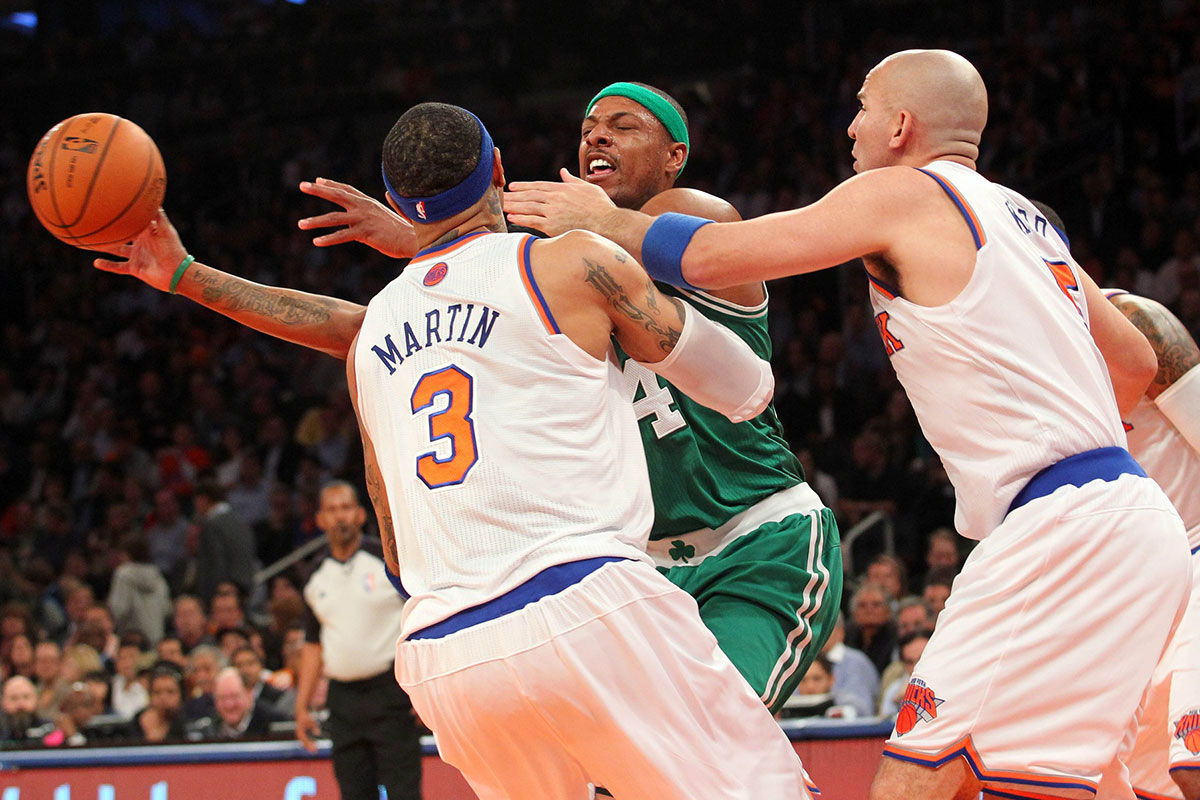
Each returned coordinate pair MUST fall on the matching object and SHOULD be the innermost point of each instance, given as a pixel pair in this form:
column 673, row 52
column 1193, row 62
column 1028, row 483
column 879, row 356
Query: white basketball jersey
column 504, row 448
column 1169, row 460
column 1005, row 379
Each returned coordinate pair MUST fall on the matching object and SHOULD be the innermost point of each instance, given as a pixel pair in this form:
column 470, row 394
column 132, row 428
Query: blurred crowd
column 133, row 425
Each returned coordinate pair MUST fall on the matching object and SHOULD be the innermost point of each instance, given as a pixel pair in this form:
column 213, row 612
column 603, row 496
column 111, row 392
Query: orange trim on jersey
column 881, row 287
column 1190, row 764
column 813, row 789
column 446, row 249
column 966, row 748
column 963, row 206
column 1143, row 795
column 531, row 287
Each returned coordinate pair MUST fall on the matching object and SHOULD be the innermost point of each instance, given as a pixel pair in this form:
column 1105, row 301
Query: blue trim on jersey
column 1196, row 549
column 983, row 775
column 1061, row 234
column 395, row 581
column 447, row 245
column 1105, row 463
column 962, row 209
column 882, row 286
column 1183, row 767
column 528, row 267
column 551, row 580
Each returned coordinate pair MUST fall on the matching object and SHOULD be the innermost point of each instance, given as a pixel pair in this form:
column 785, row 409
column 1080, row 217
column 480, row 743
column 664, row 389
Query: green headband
column 655, row 104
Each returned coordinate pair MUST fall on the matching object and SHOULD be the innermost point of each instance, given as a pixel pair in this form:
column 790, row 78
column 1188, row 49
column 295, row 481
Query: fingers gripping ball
column 95, row 180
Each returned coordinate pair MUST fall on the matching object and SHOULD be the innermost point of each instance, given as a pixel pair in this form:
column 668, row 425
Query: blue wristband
column 664, row 244
column 395, row 581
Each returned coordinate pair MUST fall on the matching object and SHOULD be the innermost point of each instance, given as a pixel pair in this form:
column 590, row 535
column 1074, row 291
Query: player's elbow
column 1135, row 368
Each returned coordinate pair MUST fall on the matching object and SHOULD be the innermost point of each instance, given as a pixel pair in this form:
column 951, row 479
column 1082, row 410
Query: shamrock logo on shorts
column 682, row 551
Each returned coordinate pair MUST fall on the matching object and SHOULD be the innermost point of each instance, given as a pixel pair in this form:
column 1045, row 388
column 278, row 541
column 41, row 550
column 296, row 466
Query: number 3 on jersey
column 452, row 423
column 658, row 399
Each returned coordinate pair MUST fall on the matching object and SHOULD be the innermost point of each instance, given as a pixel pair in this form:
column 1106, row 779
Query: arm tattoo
column 387, row 533
column 613, row 292
column 235, row 294
column 1173, row 345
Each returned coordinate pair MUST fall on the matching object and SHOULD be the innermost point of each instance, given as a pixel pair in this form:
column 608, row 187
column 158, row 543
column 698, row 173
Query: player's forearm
column 310, row 671
column 321, row 323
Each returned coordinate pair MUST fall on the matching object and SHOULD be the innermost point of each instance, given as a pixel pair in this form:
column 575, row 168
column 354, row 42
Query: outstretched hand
column 556, row 208
column 366, row 219
column 152, row 257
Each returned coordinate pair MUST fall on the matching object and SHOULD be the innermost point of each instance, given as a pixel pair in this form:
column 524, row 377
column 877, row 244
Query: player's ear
column 395, row 207
column 902, row 131
column 497, row 170
column 676, row 157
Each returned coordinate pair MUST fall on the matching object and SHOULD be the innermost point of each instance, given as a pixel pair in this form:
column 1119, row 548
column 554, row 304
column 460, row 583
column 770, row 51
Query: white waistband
column 708, row 542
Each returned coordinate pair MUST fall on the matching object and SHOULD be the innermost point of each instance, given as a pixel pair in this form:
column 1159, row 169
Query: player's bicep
column 859, row 217
column 1129, row 357
column 646, row 322
column 1174, row 347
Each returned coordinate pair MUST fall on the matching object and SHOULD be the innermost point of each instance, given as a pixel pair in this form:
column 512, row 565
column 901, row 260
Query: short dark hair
column 209, row 489
column 433, row 147
column 1050, row 214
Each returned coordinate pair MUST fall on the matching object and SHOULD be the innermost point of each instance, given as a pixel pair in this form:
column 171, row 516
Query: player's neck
column 483, row 216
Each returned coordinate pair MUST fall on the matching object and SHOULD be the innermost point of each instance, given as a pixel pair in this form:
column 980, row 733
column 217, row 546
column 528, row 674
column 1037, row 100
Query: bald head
column 939, row 94
column 19, row 696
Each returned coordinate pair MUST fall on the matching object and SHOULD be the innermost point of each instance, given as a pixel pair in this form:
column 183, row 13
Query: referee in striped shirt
column 353, row 621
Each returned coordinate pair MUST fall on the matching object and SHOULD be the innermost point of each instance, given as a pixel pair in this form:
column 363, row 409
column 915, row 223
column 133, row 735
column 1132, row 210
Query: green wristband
column 182, row 268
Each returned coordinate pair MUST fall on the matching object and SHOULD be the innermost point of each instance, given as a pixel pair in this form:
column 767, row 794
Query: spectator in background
column 855, row 678
column 913, row 614
column 226, row 547
column 190, row 622
column 276, row 535
column 204, row 663
column 250, row 666
column 869, row 484
column 18, row 658
column 78, row 598
column 164, row 719
column 19, row 717
column 77, row 710
column 1180, row 271
column 911, row 648
column 942, row 551
column 48, row 668
column 238, row 715
column 139, row 598
column 250, row 494
column 814, row 694
column 167, row 535
column 170, row 650
column 821, row 482
column 230, row 639
column 872, row 629
column 225, row 611
column 890, row 574
column 937, row 588
column 128, row 694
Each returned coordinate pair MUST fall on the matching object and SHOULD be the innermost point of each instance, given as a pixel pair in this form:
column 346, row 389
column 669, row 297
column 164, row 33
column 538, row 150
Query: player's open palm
column 555, row 208
column 366, row 219
column 152, row 257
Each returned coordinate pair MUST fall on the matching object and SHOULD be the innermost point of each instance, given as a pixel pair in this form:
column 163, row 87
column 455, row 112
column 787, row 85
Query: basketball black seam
column 137, row 195
column 87, row 198
column 50, row 176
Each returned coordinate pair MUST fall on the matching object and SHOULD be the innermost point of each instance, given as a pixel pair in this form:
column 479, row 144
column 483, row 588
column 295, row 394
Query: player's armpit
column 1174, row 347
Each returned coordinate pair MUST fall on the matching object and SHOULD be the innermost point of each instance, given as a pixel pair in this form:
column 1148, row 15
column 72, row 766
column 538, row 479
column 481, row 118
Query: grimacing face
column 624, row 149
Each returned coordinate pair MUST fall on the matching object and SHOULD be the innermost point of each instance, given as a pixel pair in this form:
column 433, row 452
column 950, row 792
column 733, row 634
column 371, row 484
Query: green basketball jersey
column 704, row 469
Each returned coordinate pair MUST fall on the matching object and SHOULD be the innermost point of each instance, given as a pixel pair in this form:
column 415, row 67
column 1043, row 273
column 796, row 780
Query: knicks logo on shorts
column 436, row 273
column 919, row 705
column 1187, row 728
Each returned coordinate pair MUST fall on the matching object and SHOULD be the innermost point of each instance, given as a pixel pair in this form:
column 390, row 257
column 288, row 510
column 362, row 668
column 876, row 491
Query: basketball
column 906, row 719
column 95, row 180
column 1192, row 741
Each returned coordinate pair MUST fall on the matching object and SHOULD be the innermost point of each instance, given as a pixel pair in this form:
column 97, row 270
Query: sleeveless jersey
column 1169, row 460
column 504, row 448
column 705, row 469
column 1005, row 379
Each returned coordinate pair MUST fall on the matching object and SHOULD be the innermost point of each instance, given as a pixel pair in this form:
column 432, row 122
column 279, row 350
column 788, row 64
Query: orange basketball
column 95, row 180
column 1192, row 741
column 906, row 719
